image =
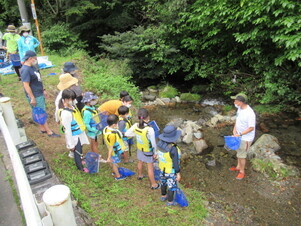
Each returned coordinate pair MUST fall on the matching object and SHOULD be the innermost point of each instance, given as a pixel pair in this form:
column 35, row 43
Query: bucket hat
column 11, row 28
column 69, row 67
column 23, row 28
column 241, row 97
column 29, row 54
column 88, row 96
column 170, row 134
column 66, row 81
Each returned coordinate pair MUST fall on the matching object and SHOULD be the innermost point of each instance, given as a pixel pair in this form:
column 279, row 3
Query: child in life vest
column 90, row 115
column 73, row 126
column 123, row 125
column 169, row 163
column 146, row 145
column 115, row 144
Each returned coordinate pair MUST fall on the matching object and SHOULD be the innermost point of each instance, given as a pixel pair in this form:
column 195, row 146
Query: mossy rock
column 168, row 92
column 191, row 97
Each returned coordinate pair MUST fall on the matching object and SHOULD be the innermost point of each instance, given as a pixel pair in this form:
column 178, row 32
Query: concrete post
column 10, row 119
column 58, row 202
column 23, row 11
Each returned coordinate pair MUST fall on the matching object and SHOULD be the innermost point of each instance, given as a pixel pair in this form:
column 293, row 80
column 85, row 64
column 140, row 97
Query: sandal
column 154, row 188
column 240, row 176
column 233, row 168
column 140, row 178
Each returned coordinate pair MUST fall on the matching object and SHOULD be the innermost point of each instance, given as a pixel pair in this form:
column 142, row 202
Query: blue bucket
column 39, row 115
column 232, row 142
column 15, row 60
column 156, row 128
column 180, row 198
column 92, row 161
column 102, row 122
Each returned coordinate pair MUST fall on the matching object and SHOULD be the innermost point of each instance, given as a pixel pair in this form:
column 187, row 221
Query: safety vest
column 77, row 124
column 165, row 161
column 93, row 121
column 119, row 145
column 143, row 143
column 128, row 125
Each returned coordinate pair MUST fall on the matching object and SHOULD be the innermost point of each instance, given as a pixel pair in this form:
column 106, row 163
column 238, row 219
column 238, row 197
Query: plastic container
column 92, row 161
column 232, row 142
column 180, row 198
column 156, row 128
column 125, row 172
column 157, row 171
column 102, row 122
column 39, row 115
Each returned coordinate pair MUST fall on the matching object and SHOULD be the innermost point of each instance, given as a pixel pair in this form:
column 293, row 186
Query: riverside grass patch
column 126, row 202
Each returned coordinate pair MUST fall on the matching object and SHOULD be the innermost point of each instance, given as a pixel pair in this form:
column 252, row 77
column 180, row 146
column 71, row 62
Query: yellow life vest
column 119, row 145
column 143, row 143
column 77, row 124
column 95, row 117
column 165, row 161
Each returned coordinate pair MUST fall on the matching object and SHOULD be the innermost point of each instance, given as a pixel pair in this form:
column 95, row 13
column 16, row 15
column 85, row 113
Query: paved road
column 9, row 212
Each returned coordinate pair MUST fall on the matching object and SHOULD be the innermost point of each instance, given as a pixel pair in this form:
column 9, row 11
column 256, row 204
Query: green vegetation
column 190, row 97
column 227, row 108
column 270, row 109
column 128, row 202
column 272, row 168
column 168, row 92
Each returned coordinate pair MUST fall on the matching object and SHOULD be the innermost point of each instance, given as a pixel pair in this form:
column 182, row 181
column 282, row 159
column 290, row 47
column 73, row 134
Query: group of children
column 118, row 134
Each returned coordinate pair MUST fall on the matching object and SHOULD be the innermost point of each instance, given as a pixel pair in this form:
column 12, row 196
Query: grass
column 190, row 97
column 129, row 202
column 272, row 168
column 168, row 92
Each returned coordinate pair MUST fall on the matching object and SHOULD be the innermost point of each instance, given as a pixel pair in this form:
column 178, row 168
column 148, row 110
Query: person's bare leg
column 126, row 156
column 46, row 128
column 94, row 146
column 115, row 170
column 242, row 163
column 151, row 176
column 140, row 166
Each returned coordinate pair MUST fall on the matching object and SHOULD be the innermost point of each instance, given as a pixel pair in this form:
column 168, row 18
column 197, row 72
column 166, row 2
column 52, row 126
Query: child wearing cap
column 169, row 163
column 115, row 144
column 88, row 112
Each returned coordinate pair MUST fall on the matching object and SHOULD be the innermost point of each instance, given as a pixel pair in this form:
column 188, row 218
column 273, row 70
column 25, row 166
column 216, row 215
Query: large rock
column 166, row 100
column 188, row 134
column 200, row 145
column 177, row 122
column 210, row 110
column 149, row 97
column 159, row 101
column 264, row 147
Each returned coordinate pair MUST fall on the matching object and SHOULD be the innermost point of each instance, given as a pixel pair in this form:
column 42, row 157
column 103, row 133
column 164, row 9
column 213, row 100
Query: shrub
column 60, row 39
column 168, row 92
column 272, row 109
column 227, row 108
column 190, row 97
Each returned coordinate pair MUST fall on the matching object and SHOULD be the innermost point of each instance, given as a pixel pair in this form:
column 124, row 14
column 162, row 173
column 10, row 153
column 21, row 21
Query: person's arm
column 28, row 90
column 66, row 119
column 234, row 130
column 152, row 138
column 110, row 153
column 110, row 144
column 175, row 162
column 130, row 132
column 36, row 42
column 87, row 118
column 121, row 127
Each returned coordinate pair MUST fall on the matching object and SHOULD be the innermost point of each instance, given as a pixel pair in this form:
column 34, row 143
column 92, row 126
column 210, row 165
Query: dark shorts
column 169, row 180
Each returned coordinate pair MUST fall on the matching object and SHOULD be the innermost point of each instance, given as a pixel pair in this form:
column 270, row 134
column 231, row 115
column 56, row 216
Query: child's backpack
column 77, row 124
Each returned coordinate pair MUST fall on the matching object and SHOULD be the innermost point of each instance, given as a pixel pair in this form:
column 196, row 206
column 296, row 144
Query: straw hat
column 23, row 28
column 11, row 28
column 66, row 81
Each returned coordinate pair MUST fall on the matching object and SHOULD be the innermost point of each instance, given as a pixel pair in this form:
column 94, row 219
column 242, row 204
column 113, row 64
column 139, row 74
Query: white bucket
column 58, row 203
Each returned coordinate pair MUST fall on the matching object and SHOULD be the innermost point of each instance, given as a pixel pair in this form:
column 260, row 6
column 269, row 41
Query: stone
column 188, row 135
column 152, row 90
column 198, row 135
column 149, row 97
column 159, row 102
column 263, row 127
column 210, row 110
column 177, row 99
column 200, row 145
column 177, row 122
column 201, row 122
column 264, row 147
column 165, row 100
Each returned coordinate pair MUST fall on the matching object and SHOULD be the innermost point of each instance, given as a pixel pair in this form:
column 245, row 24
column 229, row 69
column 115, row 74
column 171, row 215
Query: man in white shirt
column 245, row 128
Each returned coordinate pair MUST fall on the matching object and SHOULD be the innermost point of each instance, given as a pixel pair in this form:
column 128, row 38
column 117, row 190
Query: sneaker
column 71, row 154
column 163, row 198
column 120, row 178
column 171, row 203
column 240, row 176
column 233, row 168
column 54, row 135
column 85, row 170
column 154, row 188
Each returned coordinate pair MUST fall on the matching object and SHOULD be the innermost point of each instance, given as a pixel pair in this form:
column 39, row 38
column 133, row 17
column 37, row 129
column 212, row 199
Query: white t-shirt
column 245, row 119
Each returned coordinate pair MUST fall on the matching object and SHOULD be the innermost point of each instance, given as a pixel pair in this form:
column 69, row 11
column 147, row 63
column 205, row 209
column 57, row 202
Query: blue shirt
column 31, row 75
column 25, row 44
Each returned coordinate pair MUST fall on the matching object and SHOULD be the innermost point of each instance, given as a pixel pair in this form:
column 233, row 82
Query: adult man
column 33, row 87
column 10, row 43
column 244, row 127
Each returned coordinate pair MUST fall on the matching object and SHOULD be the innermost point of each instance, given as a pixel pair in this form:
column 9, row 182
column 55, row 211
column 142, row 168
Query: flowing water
column 254, row 200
